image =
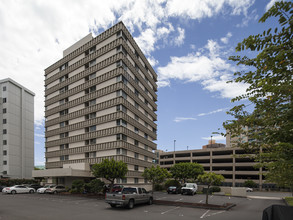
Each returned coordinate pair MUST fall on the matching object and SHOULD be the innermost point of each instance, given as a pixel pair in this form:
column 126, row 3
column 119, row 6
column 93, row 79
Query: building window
column 63, row 78
column 63, row 124
column 64, row 89
column 4, row 131
column 136, row 92
column 4, row 162
column 64, row 112
column 91, row 89
column 136, row 117
column 4, row 110
column 4, row 100
column 154, row 130
column 146, row 101
column 121, row 151
column 92, row 128
column 122, row 137
column 90, row 154
column 90, row 116
column 136, row 167
column 64, row 146
column 4, row 88
column 4, row 121
column 90, row 51
column 90, row 103
column 4, row 172
column 136, row 105
column 146, row 135
column 146, row 147
column 63, row 135
column 90, row 141
column 136, row 155
column 4, row 142
column 121, row 108
column 136, row 180
column 121, row 122
column 64, row 157
column 4, row 152
column 136, row 143
column 146, row 124
column 146, row 158
column 63, row 66
column 90, row 77
column 62, row 101
column 121, row 78
column 136, row 130
column 121, row 93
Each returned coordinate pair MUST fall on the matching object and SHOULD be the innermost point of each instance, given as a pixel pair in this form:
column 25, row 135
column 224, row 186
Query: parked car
column 43, row 189
column 2, row 187
column 18, row 189
column 35, row 186
column 56, row 189
column 173, row 189
column 249, row 189
column 189, row 188
column 128, row 197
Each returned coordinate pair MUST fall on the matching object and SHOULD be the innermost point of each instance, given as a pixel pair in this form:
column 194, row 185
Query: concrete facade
column 233, row 163
column 100, row 102
column 17, row 130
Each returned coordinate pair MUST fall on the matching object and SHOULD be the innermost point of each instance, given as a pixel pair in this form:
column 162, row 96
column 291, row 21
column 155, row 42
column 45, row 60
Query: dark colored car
column 35, row 186
column 2, row 187
column 117, row 188
column 173, row 189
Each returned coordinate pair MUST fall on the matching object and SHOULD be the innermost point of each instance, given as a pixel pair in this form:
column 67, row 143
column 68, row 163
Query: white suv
column 189, row 188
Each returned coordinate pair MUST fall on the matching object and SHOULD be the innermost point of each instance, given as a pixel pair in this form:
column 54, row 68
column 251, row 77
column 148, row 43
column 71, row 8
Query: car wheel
column 31, row 191
column 150, row 202
column 13, row 192
column 113, row 205
column 131, row 204
column 168, row 192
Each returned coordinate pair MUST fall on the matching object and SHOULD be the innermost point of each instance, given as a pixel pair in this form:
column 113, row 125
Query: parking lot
column 44, row 206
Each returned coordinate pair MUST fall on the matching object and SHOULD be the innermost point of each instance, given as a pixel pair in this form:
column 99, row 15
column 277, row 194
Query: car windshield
column 129, row 190
column 188, row 185
column 172, row 187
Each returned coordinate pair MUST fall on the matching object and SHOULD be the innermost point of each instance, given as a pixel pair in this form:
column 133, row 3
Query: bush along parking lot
column 289, row 200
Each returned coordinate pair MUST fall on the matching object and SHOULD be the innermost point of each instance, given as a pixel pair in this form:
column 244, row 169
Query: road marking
column 161, row 198
column 216, row 213
column 264, row 197
column 249, row 199
column 178, row 200
column 200, row 201
column 229, row 197
column 170, row 210
column 146, row 211
column 211, row 196
column 204, row 214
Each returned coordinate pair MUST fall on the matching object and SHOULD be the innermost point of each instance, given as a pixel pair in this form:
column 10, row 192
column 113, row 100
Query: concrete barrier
column 238, row 191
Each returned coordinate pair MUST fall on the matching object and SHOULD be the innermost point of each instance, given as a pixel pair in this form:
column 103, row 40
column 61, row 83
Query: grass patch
column 289, row 200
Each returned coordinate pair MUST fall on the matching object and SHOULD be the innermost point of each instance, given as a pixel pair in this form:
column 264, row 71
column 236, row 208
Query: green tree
column 78, row 186
column 156, row 175
column 250, row 184
column 269, row 77
column 210, row 179
column 95, row 186
column 185, row 171
column 110, row 170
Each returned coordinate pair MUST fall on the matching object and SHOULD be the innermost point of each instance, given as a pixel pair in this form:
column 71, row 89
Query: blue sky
column 187, row 42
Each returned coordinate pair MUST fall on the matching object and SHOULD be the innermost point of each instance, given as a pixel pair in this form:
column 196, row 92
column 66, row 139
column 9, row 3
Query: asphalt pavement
column 39, row 207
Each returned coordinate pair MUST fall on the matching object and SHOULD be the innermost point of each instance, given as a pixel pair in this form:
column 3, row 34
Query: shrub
column 95, row 186
column 77, row 186
column 172, row 182
column 159, row 187
column 250, row 184
column 215, row 189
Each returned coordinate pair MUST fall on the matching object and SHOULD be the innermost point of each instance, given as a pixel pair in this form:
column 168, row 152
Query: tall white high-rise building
column 17, row 130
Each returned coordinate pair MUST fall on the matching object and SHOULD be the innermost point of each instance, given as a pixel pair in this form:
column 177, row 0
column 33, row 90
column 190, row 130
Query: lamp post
column 174, row 152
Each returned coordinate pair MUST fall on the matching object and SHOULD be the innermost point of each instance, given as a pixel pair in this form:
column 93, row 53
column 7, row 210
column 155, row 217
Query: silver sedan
column 18, row 189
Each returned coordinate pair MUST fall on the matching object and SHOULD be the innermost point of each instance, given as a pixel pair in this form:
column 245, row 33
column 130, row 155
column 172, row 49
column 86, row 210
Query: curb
column 226, row 206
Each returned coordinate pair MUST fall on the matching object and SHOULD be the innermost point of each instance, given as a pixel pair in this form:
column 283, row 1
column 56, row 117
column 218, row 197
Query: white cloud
column 180, row 119
column 225, row 39
column 39, row 135
column 205, row 66
column 34, row 33
column 270, row 4
column 217, row 138
column 180, row 39
column 253, row 16
column 213, row 112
